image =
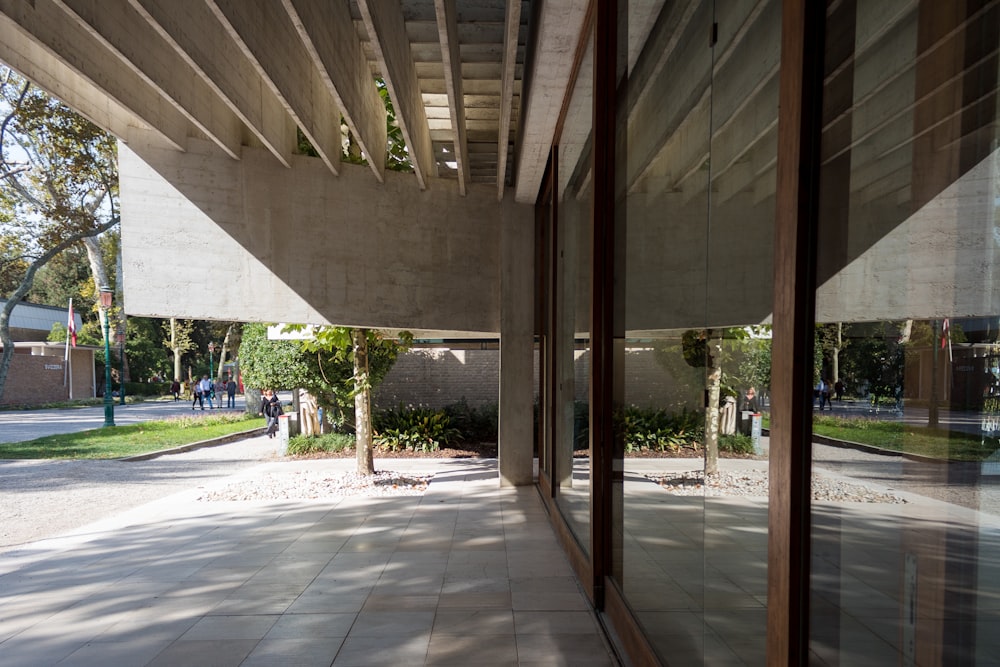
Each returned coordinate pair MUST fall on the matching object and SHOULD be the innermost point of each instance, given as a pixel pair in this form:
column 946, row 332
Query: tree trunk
column 362, row 404
column 222, row 352
column 713, row 367
column 100, row 275
column 178, row 370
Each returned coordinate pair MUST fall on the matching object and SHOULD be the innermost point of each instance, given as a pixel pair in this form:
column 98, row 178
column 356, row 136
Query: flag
column 944, row 333
column 71, row 327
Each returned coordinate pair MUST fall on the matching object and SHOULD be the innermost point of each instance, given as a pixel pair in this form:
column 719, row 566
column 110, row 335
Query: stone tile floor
column 468, row 573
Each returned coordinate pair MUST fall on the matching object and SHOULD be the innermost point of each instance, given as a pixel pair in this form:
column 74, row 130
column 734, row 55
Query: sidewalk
column 468, row 573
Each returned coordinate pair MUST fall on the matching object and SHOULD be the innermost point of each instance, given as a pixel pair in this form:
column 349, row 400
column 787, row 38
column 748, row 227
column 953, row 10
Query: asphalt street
column 20, row 425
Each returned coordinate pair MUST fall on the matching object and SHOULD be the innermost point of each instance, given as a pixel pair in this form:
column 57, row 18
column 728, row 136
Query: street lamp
column 121, row 359
column 109, row 404
column 211, row 375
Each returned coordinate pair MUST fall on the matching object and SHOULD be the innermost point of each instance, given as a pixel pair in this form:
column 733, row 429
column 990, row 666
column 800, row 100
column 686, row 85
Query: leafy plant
column 328, row 442
column 419, row 429
column 645, row 428
column 736, row 443
column 473, row 424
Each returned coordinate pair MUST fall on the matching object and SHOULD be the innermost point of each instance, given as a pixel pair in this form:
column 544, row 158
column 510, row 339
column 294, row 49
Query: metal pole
column 121, row 355
column 109, row 404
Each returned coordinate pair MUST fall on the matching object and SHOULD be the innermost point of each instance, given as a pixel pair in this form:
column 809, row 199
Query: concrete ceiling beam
column 126, row 34
column 508, row 65
column 265, row 34
column 24, row 53
column 555, row 41
column 60, row 34
column 200, row 40
column 451, row 60
column 386, row 28
column 327, row 31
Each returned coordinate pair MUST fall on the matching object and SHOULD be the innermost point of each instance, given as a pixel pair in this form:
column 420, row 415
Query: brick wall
column 34, row 379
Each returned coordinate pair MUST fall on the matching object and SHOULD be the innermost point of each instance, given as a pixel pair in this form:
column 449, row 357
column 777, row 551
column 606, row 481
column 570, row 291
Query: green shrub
column 146, row 389
column 420, row 429
column 312, row 444
column 736, row 443
column 647, row 428
column 473, row 424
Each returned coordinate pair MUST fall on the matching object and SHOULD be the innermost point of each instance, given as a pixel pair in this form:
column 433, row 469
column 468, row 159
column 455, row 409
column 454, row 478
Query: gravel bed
column 754, row 483
column 310, row 485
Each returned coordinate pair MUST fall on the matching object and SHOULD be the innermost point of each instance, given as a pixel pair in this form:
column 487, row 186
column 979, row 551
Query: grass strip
column 130, row 440
column 919, row 440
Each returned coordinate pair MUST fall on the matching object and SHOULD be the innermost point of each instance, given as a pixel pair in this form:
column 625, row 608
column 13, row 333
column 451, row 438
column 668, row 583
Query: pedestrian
column 175, row 389
column 207, row 389
column 231, row 393
column 196, row 396
column 220, row 390
column 838, row 388
column 818, row 392
column 270, row 407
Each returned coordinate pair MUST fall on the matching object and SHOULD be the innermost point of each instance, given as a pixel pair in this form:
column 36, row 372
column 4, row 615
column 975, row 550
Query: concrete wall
column 302, row 245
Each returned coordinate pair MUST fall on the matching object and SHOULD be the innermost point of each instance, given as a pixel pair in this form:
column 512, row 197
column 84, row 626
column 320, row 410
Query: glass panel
column 573, row 299
column 906, row 509
column 698, row 180
column 660, row 567
column 740, row 293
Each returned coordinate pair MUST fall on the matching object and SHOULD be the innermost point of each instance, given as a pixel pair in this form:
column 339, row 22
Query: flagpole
column 69, row 327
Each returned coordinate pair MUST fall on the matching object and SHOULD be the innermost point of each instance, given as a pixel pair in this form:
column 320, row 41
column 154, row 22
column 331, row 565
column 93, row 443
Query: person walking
column 231, row 393
column 270, row 407
column 196, row 396
column 175, row 389
column 206, row 391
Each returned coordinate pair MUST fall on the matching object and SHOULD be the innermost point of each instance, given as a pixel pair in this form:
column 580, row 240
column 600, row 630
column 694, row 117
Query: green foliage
column 272, row 364
column 419, row 429
column 646, row 428
column 474, row 424
column 301, row 445
column 329, row 359
column 736, row 443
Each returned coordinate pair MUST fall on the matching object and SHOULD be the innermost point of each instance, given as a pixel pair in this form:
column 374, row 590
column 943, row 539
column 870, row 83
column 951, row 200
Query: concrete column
column 517, row 277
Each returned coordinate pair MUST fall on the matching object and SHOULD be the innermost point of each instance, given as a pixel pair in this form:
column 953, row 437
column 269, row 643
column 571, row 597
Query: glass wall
column 574, row 231
column 695, row 174
column 906, row 456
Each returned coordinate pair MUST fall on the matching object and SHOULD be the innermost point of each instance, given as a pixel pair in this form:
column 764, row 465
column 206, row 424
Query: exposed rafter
column 200, row 40
column 510, row 43
column 387, row 33
column 327, row 32
column 266, row 34
column 451, row 60
column 127, row 35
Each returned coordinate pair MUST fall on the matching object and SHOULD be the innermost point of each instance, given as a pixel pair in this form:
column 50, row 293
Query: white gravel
column 754, row 483
column 310, row 485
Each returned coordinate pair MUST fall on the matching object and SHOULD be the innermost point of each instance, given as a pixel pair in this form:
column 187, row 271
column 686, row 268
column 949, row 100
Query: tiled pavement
column 467, row 574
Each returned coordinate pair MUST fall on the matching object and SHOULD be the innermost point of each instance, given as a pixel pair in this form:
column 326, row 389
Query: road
column 20, row 425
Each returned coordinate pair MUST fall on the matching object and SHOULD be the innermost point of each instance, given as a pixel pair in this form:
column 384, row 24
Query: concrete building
column 586, row 175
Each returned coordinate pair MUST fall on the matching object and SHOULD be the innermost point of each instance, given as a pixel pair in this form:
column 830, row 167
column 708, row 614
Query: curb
column 221, row 440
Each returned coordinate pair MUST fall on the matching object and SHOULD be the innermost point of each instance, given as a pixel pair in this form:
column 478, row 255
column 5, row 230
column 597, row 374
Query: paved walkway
column 468, row 573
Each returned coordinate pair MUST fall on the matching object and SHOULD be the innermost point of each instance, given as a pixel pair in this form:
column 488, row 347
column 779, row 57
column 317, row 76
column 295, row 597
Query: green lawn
column 920, row 440
column 121, row 441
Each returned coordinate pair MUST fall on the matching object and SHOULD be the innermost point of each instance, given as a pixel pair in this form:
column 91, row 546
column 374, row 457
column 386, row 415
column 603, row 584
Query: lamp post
column 109, row 404
column 211, row 375
column 121, row 359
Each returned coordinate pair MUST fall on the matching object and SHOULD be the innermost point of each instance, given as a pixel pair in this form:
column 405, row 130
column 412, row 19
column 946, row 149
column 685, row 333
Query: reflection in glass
column 697, row 177
column 573, row 287
column 906, row 520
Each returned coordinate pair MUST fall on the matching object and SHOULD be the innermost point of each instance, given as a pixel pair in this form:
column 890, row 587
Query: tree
column 58, row 186
column 178, row 341
column 357, row 345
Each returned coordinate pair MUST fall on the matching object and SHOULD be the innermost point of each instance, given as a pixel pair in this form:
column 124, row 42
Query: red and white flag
column 71, row 327
column 945, row 326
